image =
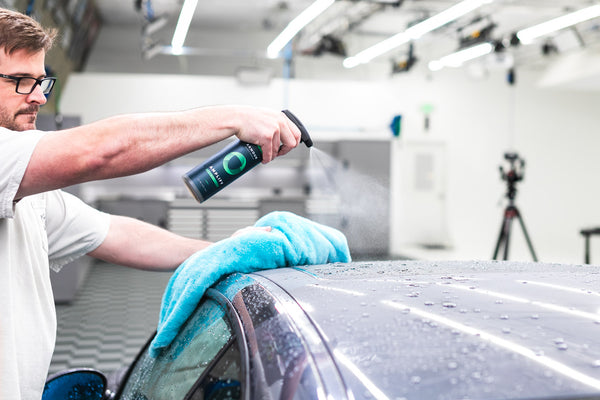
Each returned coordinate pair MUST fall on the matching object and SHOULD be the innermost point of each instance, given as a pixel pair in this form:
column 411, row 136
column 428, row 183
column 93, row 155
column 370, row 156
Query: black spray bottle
column 206, row 179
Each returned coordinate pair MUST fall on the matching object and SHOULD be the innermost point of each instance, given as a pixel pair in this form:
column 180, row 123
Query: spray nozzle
column 305, row 137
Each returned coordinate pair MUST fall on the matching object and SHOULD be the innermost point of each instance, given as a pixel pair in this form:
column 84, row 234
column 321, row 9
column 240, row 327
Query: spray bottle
column 233, row 161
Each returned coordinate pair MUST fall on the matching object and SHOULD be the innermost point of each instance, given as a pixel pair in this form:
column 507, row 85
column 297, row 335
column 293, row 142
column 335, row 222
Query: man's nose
column 37, row 96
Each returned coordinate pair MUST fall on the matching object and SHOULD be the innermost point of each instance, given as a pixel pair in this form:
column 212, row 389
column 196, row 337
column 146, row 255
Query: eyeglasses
column 26, row 85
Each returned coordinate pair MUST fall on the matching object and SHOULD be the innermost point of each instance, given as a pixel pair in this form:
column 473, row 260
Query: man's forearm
column 137, row 244
column 130, row 144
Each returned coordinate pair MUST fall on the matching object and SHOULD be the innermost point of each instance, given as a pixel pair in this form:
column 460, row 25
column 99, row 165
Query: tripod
column 511, row 211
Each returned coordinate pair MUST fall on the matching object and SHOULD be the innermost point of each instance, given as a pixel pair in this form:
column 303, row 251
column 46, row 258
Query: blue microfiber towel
column 293, row 241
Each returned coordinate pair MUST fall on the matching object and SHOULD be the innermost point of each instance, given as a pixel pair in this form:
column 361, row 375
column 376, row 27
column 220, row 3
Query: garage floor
column 113, row 315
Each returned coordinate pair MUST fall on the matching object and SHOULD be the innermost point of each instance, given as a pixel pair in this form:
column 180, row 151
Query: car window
column 205, row 344
column 281, row 364
column 221, row 380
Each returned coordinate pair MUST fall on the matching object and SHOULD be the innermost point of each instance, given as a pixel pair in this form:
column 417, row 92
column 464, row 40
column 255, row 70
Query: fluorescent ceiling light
column 527, row 36
column 183, row 25
column 415, row 32
column 296, row 25
column 460, row 57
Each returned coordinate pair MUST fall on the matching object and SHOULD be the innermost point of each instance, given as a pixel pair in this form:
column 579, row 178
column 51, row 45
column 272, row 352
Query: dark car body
column 386, row 330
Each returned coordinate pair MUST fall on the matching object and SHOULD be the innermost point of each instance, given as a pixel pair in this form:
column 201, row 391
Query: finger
column 290, row 137
column 276, row 142
column 249, row 229
column 267, row 152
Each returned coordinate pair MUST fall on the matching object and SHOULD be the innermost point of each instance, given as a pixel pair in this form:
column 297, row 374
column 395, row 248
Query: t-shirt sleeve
column 73, row 227
column 16, row 149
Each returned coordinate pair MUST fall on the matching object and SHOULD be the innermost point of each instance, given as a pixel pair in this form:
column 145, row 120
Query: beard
column 26, row 118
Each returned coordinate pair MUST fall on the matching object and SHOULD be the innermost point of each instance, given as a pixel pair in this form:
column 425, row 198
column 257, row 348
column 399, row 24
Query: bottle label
column 223, row 168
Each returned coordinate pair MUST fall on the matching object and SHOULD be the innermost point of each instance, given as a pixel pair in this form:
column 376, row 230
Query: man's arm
column 135, row 143
column 134, row 243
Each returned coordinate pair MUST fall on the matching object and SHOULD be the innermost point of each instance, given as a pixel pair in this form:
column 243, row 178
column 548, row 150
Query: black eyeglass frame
column 37, row 82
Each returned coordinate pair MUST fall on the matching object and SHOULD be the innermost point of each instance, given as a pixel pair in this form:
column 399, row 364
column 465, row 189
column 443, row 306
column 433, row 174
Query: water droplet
column 559, row 340
column 596, row 364
column 535, row 316
column 415, row 379
column 413, row 294
column 499, row 302
column 562, row 346
column 452, row 365
column 449, row 304
column 365, row 315
column 429, row 303
column 504, row 317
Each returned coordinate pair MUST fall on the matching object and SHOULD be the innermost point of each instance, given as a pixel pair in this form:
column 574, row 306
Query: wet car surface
column 386, row 330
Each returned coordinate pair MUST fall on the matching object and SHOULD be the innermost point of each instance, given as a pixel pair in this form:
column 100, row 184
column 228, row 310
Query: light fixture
column 460, row 57
column 415, row 32
column 296, row 25
column 183, row 25
column 151, row 27
column 527, row 36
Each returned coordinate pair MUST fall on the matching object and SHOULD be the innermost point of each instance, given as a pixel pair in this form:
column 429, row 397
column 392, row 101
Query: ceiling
column 241, row 30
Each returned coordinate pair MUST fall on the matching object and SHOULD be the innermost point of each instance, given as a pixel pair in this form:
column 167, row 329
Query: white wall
column 554, row 131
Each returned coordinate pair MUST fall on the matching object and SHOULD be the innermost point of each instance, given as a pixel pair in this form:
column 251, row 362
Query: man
column 42, row 227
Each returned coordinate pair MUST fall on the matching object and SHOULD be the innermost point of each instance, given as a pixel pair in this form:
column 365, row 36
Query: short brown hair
column 20, row 32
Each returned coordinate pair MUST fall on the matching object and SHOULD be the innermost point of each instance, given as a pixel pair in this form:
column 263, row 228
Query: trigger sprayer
column 206, row 179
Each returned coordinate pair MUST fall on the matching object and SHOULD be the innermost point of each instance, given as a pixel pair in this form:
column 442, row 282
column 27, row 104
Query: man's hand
column 273, row 131
column 250, row 229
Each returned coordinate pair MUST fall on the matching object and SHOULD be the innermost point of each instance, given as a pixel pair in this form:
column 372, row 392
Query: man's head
column 23, row 46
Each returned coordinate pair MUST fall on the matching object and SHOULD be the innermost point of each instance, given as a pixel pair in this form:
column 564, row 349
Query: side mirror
column 77, row 384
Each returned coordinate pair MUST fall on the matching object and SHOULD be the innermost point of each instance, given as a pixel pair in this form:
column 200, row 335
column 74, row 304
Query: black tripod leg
column 526, row 235
column 503, row 236
column 508, row 221
column 500, row 239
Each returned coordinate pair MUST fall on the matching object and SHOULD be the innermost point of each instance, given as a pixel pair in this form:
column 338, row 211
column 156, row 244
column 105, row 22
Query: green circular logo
column 240, row 157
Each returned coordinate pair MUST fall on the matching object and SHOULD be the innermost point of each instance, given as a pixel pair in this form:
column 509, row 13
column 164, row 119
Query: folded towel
column 292, row 241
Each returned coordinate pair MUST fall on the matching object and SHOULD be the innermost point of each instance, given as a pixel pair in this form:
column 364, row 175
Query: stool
column 587, row 233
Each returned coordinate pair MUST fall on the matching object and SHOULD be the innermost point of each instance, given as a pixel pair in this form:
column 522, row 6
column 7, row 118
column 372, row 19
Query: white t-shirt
column 39, row 232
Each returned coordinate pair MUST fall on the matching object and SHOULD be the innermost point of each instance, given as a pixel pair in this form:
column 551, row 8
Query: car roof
column 450, row 330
